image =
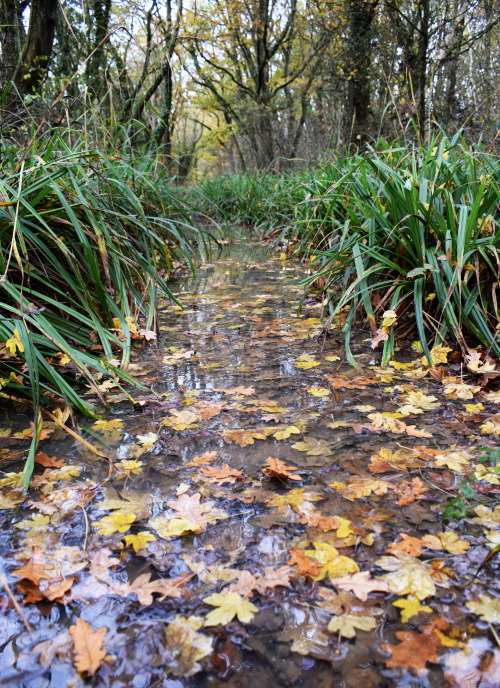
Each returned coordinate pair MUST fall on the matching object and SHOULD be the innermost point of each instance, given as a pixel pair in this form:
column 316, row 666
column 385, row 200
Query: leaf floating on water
column 361, row 584
column 488, row 608
column 244, row 391
column 275, row 468
column 185, row 647
column 139, row 540
column 174, row 527
column 222, row 475
column 114, row 523
column 35, row 569
column 87, row 647
column 408, row 576
column 313, row 447
column 228, row 605
column 410, row 608
column 414, row 650
column 347, row 624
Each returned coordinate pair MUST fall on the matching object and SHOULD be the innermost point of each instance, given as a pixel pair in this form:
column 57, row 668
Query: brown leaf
column 190, row 508
column 56, row 589
column 222, row 475
column 273, row 577
column 207, row 457
column 35, row 569
column 414, row 650
column 410, row 491
column 208, row 410
column 275, row 468
column 244, row 391
column 345, row 383
column 144, row 588
column 87, row 647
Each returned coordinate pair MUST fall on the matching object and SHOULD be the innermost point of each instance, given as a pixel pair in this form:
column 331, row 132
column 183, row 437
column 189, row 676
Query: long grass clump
column 86, row 244
column 413, row 232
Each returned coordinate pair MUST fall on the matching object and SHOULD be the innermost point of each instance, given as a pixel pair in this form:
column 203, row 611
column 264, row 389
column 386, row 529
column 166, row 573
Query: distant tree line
column 241, row 84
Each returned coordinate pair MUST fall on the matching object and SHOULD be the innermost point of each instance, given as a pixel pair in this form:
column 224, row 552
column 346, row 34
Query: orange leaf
column 88, row 647
column 414, row 650
column 410, row 492
column 275, row 468
column 245, row 391
column 222, row 475
column 49, row 461
column 305, row 565
column 35, row 569
column 207, row 457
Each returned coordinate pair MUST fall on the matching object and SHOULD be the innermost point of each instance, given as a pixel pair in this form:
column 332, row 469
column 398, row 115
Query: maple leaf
column 208, row 409
column 207, row 457
column 139, row 540
column 144, row 588
column 190, row 508
column 285, row 434
column 353, row 383
column 14, row 343
column 487, row 517
column 452, row 543
column 332, row 563
column 409, row 545
column 181, row 420
column 408, row 576
column 228, row 606
column 244, row 585
column 132, row 503
column 185, row 647
column 409, row 492
column 347, row 624
column 305, row 564
column 298, row 499
column 410, row 607
column 456, row 461
column 275, row 468
column 35, row 569
column 422, row 401
column 245, row 437
column 244, row 391
column 109, row 427
column 174, row 527
column 414, row 650
column 488, row 608
column 318, row 391
column 387, row 460
column 220, row 476
column 360, row 584
column 325, row 523
column 87, row 647
column 362, row 488
column 115, row 523
column 128, row 467
column 273, row 577
column 313, row 447
column 459, row 390
column 305, row 362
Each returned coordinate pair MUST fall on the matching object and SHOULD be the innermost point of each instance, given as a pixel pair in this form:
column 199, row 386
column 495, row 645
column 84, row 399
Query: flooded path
column 274, row 515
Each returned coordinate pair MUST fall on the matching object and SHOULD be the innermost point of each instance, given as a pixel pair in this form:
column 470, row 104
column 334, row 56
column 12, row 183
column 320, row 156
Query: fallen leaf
column 87, row 647
column 191, row 508
column 220, row 476
column 244, row 391
column 313, row 447
column 139, row 540
column 488, row 608
column 332, row 564
column 205, row 458
column 414, row 650
column 409, row 492
column 114, row 523
column 286, row 433
column 275, row 468
column 410, row 607
column 347, row 624
column 185, row 647
column 35, row 569
column 144, row 588
column 305, row 565
column 360, row 584
column 228, row 606
column 408, row 576
column 174, row 527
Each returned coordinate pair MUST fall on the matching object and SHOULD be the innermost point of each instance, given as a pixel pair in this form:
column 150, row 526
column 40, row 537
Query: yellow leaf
column 228, row 606
column 488, row 608
column 319, row 391
column 139, row 540
column 115, row 523
column 332, row 563
column 408, row 576
column 410, row 607
column 14, row 343
column 285, row 434
column 347, row 624
column 174, row 527
column 129, row 467
column 108, row 426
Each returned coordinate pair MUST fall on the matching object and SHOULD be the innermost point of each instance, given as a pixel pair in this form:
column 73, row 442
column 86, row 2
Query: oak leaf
column 87, row 647
column 222, row 475
column 275, row 468
column 228, row 606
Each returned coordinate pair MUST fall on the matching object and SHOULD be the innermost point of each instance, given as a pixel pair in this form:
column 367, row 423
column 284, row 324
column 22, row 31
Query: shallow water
column 240, row 328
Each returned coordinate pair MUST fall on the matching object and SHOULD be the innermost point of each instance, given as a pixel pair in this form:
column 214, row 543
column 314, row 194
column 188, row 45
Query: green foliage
column 468, row 496
column 411, row 231
column 86, row 242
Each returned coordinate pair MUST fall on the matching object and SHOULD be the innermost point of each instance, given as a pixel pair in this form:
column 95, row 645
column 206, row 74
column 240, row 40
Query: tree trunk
column 33, row 62
column 360, row 16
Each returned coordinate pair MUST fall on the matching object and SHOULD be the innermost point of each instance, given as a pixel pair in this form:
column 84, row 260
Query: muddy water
column 239, row 343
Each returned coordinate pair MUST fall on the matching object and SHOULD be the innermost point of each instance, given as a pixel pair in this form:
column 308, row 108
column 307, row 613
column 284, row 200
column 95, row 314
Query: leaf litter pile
column 274, row 515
